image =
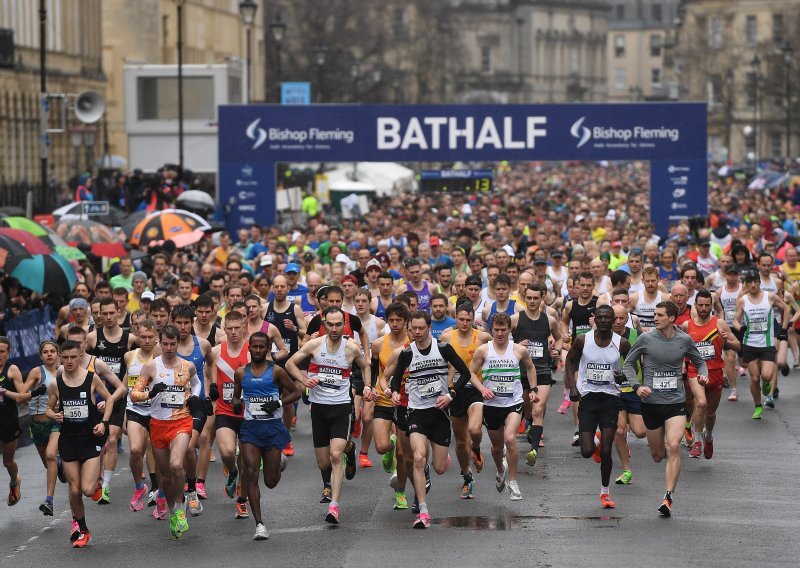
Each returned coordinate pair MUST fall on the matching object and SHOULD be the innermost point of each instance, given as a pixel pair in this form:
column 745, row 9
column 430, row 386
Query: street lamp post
column 756, row 65
column 320, row 58
column 729, row 107
column 43, row 102
column 278, row 30
column 788, row 53
column 355, row 71
column 247, row 12
column 180, row 87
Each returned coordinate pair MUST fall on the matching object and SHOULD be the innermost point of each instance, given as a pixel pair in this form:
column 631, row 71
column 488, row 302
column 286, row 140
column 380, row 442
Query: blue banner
column 26, row 332
column 254, row 138
column 295, row 93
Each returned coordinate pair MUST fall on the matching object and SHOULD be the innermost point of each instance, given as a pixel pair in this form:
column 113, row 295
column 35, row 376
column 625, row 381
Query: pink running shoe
column 565, row 404
column 160, row 512
column 333, row 515
column 137, row 501
column 201, row 490
column 423, row 521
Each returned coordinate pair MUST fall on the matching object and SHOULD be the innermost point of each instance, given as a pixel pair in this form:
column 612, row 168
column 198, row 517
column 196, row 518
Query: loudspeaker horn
column 89, row 106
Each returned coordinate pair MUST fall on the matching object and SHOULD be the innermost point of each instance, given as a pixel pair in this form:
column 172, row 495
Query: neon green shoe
column 625, row 478
column 758, row 412
column 530, row 457
column 389, row 459
column 181, row 525
column 105, row 497
column 173, row 526
column 766, row 387
column 400, row 501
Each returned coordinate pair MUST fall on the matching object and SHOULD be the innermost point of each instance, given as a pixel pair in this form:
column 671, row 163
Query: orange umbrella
column 166, row 225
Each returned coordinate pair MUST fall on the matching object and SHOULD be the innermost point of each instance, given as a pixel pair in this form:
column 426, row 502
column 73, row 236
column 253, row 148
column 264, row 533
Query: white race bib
column 329, row 381
column 502, row 388
column 255, row 410
column 75, row 410
column 227, row 392
column 599, row 374
column 536, row 350
column 707, row 351
column 665, row 381
column 431, row 390
column 173, row 397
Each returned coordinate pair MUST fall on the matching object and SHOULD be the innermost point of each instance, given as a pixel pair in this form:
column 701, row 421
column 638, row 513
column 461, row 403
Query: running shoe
column 105, row 496
column 415, row 506
column 200, row 487
column 726, row 384
column 46, row 508
column 501, row 479
column 61, row 475
column 98, row 493
column 288, row 450
column 261, row 532
column 427, row 471
column 160, row 512
column 333, row 515
column 776, row 393
column 151, row 499
column 596, row 455
column 565, row 404
column 733, row 397
column 466, row 489
column 784, row 370
column 389, row 459
column 241, row 510
column 137, row 501
column 284, row 463
column 15, row 492
column 758, row 412
column 766, row 387
column 696, row 449
column 400, row 501
column 173, row 526
column 350, row 460
column 363, row 460
column 326, row 494
column 393, row 481
column 521, row 429
column 74, row 531
column 193, row 503
column 357, row 429
column 230, row 483
column 83, row 540
column 294, row 422
column 742, row 371
column 181, row 524
column 625, row 478
column 530, row 457
column 769, row 401
column 306, row 399
column 513, row 488
column 666, row 507
column 688, row 436
column 212, row 457
column 708, row 449
column 576, row 440
column 477, row 459
column 606, row 502
column 423, row 521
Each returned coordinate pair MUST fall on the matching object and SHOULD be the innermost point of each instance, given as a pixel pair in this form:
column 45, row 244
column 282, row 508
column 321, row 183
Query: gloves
column 196, row 408
column 271, row 406
column 213, row 392
column 782, row 335
column 237, row 408
column 39, row 391
column 209, row 408
column 574, row 395
column 620, row 379
column 157, row 388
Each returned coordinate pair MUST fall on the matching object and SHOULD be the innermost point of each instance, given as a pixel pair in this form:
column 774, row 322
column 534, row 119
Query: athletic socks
column 107, row 475
column 82, row 524
column 192, row 484
column 604, row 491
column 468, row 477
column 139, row 485
column 153, row 482
column 326, row 475
column 668, row 495
column 49, row 499
column 536, row 436
column 423, row 508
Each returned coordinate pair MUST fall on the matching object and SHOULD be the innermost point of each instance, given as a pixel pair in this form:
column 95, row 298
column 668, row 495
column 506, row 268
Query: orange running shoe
column 97, row 493
column 357, row 429
column 363, row 460
column 596, row 455
column 606, row 502
column 521, row 429
column 288, row 450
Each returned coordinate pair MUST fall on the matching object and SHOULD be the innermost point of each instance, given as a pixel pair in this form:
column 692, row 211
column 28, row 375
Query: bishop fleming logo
column 256, row 134
column 579, row 131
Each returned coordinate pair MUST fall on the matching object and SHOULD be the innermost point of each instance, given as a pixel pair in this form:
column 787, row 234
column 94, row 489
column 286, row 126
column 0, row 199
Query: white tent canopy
column 384, row 178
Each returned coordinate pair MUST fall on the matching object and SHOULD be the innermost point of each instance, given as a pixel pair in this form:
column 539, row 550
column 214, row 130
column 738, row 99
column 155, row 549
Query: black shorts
column 656, row 415
column 400, row 418
column 80, row 448
column 118, row 413
column 225, row 421
column 750, row 354
column 383, row 413
column 144, row 421
column 433, row 423
column 542, row 380
column 199, row 422
column 357, row 384
column 631, row 402
column 463, row 400
column 494, row 417
column 598, row 409
column 9, row 428
column 330, row 421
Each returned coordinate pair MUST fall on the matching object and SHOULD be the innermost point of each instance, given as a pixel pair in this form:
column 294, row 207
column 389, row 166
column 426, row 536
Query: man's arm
column 458, row 364
column 236, row 403
column 104, row 371
column 305, row 353
column 571, row 365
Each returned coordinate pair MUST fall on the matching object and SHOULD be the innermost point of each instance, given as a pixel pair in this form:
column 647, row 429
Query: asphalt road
column 738, row 509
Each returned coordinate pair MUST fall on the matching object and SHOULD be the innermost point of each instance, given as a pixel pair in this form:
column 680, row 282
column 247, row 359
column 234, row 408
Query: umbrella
column 46, row 274
column 84, row 231
column 115, row 218
column 166, row 224
column 47, row 235
column 111, row 161
column 109, row 250
column 31, row 244
column 196, row 199
column 11, row 250
column 9, row 210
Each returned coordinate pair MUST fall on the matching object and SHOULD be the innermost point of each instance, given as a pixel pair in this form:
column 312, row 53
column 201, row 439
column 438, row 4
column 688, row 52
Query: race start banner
column 253, row 139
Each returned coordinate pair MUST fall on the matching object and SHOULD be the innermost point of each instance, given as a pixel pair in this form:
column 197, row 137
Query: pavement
column 738, row 509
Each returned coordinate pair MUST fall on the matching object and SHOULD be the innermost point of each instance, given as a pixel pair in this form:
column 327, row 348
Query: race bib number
column 706, row 349
column 758, row 327
column 255, row 410
column 729, row 315
column 75, row 410
column 665, row 381
column 227, row 392
column 502, row 388
column 173, row 397
column 583, row 329
column 132, row 380
column 115, row 366
column 599, row 374
column 431, row 390
column 329, row 381
column 536, row 350
column 647, row 325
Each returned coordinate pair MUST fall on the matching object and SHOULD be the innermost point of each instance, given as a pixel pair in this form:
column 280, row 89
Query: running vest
column 717, row 283
column 579, row 316
column 636, row 287
column 383, row 358
column 646, row 311
column 537, row 333
column 173, row 403
column 258, row 389
column 466, row 352
column 134, row 371
column 276, row 319
column 427, row 377
column 493, row 310
column 728, row 301
column 597, row 366
column 226, row 368
column 113, row 354
column 631, row 335
column 80, row 413
column 759, row 320
column 792, row 274
column 333, row 373
column 709, row 344
column 8, row 407
column 38, row 404
column 424, row 295
column 196, row 357
column 370, row 328
column 380, row 311
column 769, row 286
column 501, row 375
column 308, row 308
column 212, row 335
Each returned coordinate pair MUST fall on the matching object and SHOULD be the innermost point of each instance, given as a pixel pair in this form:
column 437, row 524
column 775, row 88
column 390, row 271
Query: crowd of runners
column 425, row 325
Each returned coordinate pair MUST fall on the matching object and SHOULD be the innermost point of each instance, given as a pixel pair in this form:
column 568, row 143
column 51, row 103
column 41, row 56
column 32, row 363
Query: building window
column 486, row 59
column 751, row 30
column 715, row 32
column 619, row 46
column 777, row 27
column 400, row 22
column 655, row 77
column 655, row 46
column 714, row 92
column 657, row 12
column 750, row 98
column 158, row 98
column 620, row 11
column 776, row 144
column 620, row 82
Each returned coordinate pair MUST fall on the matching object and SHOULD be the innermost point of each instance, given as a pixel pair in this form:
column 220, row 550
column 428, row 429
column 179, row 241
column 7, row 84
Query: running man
column 13, row 390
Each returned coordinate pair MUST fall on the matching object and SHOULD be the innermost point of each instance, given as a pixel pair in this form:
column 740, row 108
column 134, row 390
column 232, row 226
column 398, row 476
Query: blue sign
column 254, row 138
column 25, row 332
column 456, row 181
column 95, row 208
column 295, row 93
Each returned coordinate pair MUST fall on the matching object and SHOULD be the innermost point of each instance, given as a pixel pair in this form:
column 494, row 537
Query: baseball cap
column 750, row 275
column 616, row 244
column 731, row 269
column 292, row 267
column 557, row 253
column 540, row 260
column 139, row 275
column 350, row 278
column 308, row 255
column 148, row 296
column 605, row 256
column 580, row 218
column 341, row 257
column 78, row 303
column 266, row 260
column 374, row 263
column 382, row 258
column 704, row 242
column 435, row 241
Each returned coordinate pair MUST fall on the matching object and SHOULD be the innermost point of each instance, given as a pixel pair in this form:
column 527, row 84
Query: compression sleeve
column 403, row 361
